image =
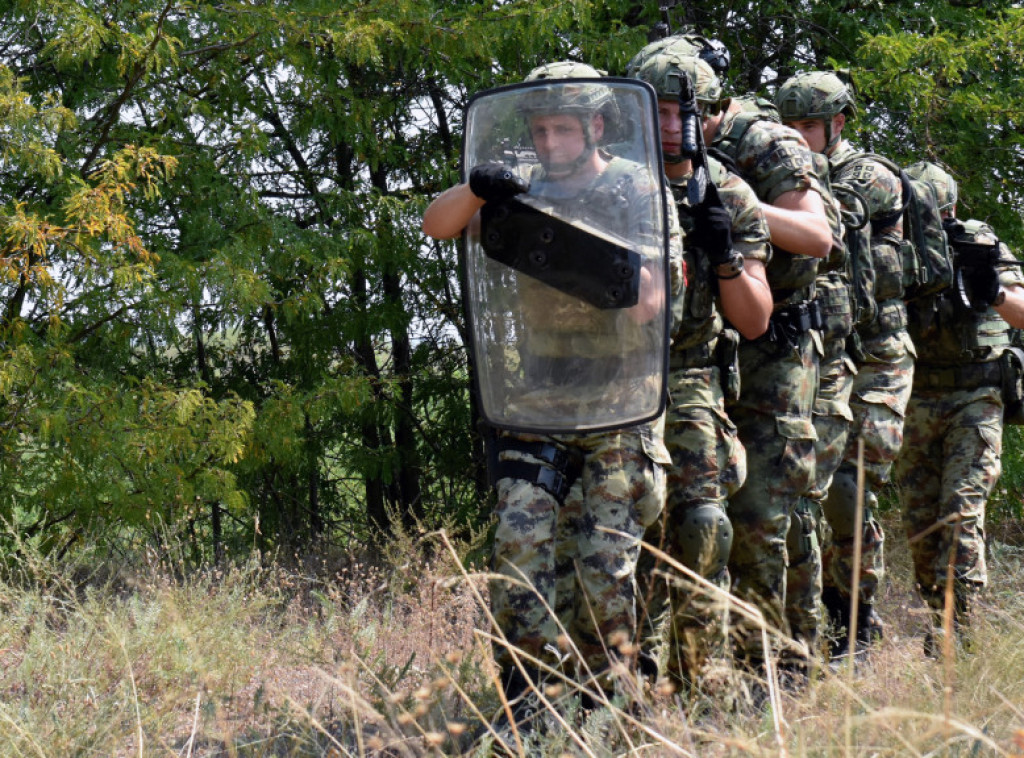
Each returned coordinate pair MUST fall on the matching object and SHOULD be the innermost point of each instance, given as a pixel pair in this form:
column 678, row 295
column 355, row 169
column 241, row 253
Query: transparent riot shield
column 567, row 283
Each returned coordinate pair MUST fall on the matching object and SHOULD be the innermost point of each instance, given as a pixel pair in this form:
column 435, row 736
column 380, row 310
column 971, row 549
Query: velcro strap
column 554, row 482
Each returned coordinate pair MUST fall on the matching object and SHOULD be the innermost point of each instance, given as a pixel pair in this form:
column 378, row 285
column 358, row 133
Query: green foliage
column 1007, row 501
column 216, row 307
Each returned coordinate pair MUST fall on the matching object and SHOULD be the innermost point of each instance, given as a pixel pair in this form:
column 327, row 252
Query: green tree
column 219, row 316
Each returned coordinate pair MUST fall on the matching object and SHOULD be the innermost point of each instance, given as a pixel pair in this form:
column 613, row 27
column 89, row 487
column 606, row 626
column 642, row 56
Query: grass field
column 393, row 660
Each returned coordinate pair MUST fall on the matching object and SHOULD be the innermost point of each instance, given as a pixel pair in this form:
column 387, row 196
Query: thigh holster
column 554, row 468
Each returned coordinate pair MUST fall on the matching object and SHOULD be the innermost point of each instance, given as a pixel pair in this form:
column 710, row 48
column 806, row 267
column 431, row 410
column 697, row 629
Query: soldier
column 570, row 504
column 779, row 369
column 726, row 252
column 817, row 104
column 950, row 459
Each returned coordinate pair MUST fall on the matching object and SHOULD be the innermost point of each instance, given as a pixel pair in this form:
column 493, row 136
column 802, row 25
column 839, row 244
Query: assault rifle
column 692, row 146
column 971, row 256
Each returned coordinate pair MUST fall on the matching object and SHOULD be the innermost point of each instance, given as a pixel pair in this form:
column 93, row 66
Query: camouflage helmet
column 665, row 70
column 711, row 51
column 564, row 70
column 944, row 184
column 815, row 94
column 580, row 100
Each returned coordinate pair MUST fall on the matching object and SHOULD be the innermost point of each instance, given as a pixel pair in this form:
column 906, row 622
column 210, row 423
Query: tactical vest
column 950, row 334
column 790, row 276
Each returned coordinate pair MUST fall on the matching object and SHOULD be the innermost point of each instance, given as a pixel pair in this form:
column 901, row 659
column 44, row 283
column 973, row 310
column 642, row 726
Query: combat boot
column 870, row 629
column 837, row 613
column 524, row 705
column 934, row 638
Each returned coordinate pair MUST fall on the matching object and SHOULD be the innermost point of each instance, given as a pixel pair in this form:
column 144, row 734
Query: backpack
column 927, row 262
column 930, row 269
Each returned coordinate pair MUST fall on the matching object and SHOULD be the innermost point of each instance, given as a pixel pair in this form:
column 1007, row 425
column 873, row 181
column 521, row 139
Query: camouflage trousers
column 832, row 418
column 881, row 391
column 682, row 623
column 947, row 469
column 569, row 569
column 773, row 417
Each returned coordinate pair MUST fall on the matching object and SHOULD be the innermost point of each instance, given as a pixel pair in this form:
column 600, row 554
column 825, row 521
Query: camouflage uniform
column 950, row 459
column 558, row 567
column 779, row 376
column 884, row 354
column 832, row 417
column 708, row 460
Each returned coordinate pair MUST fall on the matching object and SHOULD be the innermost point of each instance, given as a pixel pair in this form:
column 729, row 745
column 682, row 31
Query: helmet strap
column 831, row 140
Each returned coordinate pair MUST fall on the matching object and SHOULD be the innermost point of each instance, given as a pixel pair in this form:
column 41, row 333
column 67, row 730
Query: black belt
column 970, row 376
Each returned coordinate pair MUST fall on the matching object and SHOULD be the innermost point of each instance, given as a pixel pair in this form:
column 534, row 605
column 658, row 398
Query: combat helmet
column 711, row 51
column 813, row 95
column 944, row 184
column 564, row 70
column 665, row 71
column 583, row 100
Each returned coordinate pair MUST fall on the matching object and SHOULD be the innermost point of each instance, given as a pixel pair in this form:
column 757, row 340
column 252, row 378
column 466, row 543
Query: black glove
column 494, row 182
column 712, row 228
column 980, row 285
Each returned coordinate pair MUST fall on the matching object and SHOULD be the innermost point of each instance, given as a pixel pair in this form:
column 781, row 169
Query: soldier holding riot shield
column 567, row 289
column 967, row 377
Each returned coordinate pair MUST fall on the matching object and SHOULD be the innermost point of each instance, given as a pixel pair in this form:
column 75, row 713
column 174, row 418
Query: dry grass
column 395, row 662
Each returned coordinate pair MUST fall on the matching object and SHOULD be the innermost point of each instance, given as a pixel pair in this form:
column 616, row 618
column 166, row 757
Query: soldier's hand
column 980, row 285
column 712, row 228
column 494, row 182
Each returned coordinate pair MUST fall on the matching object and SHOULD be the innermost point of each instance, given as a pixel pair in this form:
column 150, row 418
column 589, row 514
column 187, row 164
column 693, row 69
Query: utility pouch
column 728, row 359
column 1011, row 369
column 836, row 307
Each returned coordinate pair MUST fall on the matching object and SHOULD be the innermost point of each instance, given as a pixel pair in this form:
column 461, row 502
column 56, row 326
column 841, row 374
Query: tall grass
column 394, row 659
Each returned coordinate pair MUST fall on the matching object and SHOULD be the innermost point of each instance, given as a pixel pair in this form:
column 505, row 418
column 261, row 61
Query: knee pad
column 705, row 540
column 840, row 506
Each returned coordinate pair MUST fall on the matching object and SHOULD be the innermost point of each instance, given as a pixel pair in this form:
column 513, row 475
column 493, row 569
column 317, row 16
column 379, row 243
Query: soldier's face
column 559, row 140
column 813, row 130
column 671, row 126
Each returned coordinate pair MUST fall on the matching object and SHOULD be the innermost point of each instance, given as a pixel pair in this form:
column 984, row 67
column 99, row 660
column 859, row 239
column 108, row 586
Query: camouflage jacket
column 701, row 319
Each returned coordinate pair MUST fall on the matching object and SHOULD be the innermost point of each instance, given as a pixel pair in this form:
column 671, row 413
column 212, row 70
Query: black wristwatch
column 731, row 268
